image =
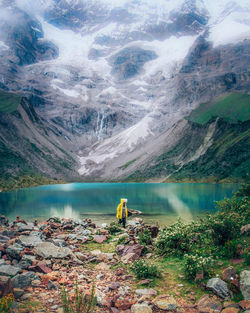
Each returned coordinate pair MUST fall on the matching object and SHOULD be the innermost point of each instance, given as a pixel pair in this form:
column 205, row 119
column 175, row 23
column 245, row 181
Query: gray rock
column 29, row 241
column 13, row 251
column 48, row 250
column 2, row 262
column 219, row 287
column 28, row 258
column 245, row 284
column 24, row 280
column 59, row 242
column 4, row 239
column 9, row 270
column 18, row 292
column 146, row 292
column 24, row 264
column 9, row 233
column 22, row 227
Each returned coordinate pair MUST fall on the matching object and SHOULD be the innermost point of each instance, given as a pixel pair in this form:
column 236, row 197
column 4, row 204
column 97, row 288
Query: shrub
column 122, row 240
column 230, row 249
column 6, row 303
column 247, row 258
column 80, row 302
column 195, row 264
column 142, row 269
column 145, row 237
column 114, row 228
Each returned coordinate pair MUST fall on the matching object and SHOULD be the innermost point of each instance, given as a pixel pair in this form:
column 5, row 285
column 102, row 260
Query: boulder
column 18, row 292
column 24, row 280
column 219, row 287
column 24, row 227
column 128, row 258
column 48, row 250
column 165, row 302
column 99, row 238
column 9, row 270
column 141, row 308
column 209, row 304
column 244, row 284
column 5, row 286
column 228, row 274
column 24, row 264
column 13, row 251
column 149, row 292
column 29, row 241
column 28, row 258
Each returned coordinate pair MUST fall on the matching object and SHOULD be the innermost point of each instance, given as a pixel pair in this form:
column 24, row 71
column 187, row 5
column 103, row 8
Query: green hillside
column 9, row 102
column 232, row 108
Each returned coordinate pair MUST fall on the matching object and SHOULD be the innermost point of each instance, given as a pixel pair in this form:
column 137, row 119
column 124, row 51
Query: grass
column 232, row 108
column 9, row 102
column 105, row 247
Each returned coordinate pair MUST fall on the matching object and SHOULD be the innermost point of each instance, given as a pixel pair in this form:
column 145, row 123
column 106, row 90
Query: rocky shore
column 37, row 259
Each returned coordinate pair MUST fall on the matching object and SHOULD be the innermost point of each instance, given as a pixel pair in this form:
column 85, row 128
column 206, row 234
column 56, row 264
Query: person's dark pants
column 123, row 221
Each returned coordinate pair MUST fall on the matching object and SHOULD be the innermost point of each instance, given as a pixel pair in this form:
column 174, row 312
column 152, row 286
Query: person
column 122, row 212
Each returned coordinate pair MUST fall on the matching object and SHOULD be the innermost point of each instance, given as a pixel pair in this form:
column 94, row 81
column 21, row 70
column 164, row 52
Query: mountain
column 111, row 90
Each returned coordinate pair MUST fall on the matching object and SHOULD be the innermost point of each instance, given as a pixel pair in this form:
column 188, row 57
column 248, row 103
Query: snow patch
column 3, row 46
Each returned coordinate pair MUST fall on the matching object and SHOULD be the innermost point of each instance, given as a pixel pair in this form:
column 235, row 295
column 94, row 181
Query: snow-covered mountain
column 116, row 78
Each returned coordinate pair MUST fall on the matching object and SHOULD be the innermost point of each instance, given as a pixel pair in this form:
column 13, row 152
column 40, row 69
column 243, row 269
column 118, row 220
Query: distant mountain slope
column 215, row 145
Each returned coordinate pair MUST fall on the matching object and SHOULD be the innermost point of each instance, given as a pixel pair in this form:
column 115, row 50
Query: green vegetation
column 123, row 167
column 80, row 303
column 9, row 102
column 215, row 236
column 232, row 108
column 6, row 303
column 144, row 269
column 145, row 238
column 114, row 228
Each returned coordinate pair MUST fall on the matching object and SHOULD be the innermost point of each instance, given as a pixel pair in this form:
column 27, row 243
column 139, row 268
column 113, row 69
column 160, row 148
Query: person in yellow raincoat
column 122, row 212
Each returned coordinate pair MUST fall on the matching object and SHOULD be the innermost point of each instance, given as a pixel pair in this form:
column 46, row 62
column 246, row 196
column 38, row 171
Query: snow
column 3, row 46
column 68, row 92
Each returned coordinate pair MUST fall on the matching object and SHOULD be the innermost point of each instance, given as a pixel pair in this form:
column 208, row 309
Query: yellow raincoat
column 119, row 210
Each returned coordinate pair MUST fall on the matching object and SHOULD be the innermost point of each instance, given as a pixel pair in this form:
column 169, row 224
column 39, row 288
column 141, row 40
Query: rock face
column 48, row 250
column 245, row 284
column 29, row 241
column 23, row 280
column 219, row 287
column 165, row 302
column 9, row 270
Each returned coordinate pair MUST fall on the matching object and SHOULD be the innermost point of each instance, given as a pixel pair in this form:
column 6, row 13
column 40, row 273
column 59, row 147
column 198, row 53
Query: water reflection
column 159, row 202
column 66, row 212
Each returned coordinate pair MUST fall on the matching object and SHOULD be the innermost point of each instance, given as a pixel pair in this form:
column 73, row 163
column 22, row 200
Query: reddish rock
column 5, row 285
column 137, row 249
column 230, row 310
column 245, row 304
column 99, row 238
column 236, row 283
column 119, row 249
column 228, row 274
column 114, row 310
column 41, row 268
column 209, row 304
column 114, row 286
column 124, row 304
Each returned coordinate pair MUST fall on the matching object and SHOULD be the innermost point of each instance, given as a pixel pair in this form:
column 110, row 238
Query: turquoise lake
column 162, row 203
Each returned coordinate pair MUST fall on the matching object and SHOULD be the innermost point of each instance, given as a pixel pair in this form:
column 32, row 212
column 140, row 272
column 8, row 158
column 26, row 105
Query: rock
column 165, row 302
column 28, row 258
column 230, row 310
column 51, row 286
column 5, row 286
column 209, row 304
column 99, row 238
column 132, row 212
column 102, row 267
column 24, row 264
column 104, row 225
column 146, row 292
column 48, row 250
column 9, row 233
column 145, row 281
column 4, row 239
column 245, row 230
column 41, row 267
column 244, row 284
column 17, row 292
column 141, row 308
column 219, row 287
column 228, row 274
column 245, row 304
column 23, row 227
column 128, row 258
column 29, row 241
column 4, row 221
column 137, row 249
column 114, row 285
column 119, row 249
column 124, row 304
column 23, row 280
column 13, row 251
column 9, row 270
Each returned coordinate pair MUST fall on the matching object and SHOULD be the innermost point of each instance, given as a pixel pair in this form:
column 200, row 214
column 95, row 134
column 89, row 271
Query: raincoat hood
column 119, row 208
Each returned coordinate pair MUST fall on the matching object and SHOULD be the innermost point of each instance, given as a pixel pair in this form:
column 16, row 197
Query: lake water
column 162, row 203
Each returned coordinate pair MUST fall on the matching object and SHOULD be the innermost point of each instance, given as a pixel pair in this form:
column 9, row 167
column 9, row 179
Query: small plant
column 6, row 303
column 196, row 264
column 231, row 249
column 114, row 228
column 122, row 240
column 145, row 237
column 80, row 303
column 142, row 269
column 247, row 258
